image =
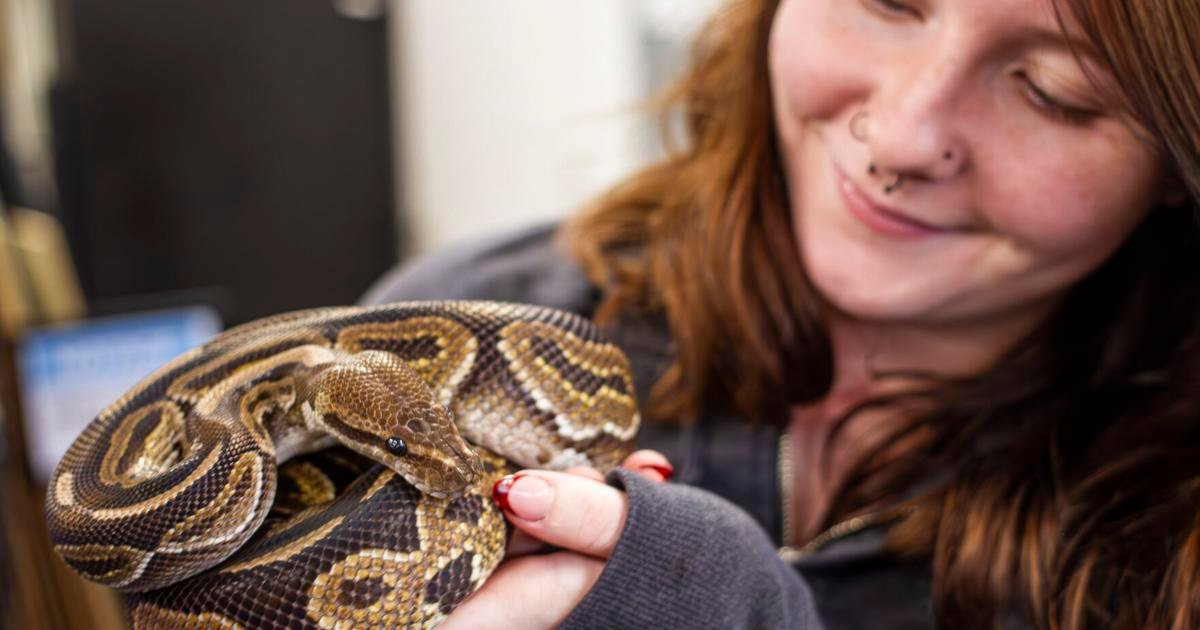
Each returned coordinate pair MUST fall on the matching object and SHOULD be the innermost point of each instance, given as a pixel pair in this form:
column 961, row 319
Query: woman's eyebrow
column 1092, row 63
column 1053, row 38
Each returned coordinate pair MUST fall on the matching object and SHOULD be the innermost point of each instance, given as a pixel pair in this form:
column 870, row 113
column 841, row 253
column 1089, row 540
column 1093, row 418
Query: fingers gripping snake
column 168, row 493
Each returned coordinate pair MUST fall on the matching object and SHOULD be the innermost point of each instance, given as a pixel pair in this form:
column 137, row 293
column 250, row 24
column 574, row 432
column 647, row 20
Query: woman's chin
column 867, row 309
column 884, row 302
column 888, row 286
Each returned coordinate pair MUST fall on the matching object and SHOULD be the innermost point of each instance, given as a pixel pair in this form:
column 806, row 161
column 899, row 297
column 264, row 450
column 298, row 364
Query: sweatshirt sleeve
column 689, row 559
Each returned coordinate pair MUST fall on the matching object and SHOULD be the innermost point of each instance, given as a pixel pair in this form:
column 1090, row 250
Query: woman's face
column 1006, row 201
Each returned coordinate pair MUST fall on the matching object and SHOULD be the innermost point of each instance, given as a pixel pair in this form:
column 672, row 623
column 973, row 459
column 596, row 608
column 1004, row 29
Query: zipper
column 789, row 552
column 785, row 468
column 842, row 529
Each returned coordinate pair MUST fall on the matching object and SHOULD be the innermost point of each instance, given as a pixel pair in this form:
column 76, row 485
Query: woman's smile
column 885, row 220
column 926, row 184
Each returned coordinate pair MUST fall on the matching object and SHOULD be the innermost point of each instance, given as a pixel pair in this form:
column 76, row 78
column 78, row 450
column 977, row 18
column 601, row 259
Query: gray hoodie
column 703, row 551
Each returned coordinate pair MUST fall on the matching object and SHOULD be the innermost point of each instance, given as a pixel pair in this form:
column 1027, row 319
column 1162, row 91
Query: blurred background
column 170, row 168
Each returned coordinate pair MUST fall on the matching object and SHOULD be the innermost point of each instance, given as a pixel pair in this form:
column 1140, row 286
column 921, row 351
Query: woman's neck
column 865, row 352
column 873, row 360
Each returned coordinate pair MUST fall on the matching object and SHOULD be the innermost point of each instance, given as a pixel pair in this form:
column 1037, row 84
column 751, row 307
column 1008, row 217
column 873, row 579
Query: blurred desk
column 41, row 592
column 54, row 381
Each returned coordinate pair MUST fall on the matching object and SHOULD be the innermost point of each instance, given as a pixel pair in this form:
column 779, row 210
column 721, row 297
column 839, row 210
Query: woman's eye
column 893, row 7
column 1052, row 108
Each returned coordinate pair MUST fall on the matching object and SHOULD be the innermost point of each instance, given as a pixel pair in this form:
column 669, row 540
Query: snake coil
column 173, row 494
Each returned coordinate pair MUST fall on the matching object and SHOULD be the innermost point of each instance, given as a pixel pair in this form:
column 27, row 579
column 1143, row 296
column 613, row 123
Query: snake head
column 373, row 403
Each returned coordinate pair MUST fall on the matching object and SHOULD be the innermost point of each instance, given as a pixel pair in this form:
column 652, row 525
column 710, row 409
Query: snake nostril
column 397, row 446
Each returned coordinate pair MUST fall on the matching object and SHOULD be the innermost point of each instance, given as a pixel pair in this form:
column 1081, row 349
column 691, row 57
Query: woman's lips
column 879, row 218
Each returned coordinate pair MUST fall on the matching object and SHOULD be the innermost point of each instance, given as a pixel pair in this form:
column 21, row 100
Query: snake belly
column 167, row 495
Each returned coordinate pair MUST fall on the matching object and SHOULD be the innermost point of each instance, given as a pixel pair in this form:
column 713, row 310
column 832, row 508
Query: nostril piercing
column 946, row 155
column 858, row 129
column 871, row 168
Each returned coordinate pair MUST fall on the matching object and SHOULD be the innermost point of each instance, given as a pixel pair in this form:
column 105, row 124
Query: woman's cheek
column 811, row 66
column 1064, row 212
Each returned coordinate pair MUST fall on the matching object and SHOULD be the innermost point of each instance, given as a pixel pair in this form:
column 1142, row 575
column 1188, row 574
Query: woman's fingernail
column 664, row 469
column 500, row 491
column 528, row 497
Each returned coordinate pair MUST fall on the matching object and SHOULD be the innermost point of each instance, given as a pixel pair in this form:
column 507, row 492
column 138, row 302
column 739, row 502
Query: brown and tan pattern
column 173, row 495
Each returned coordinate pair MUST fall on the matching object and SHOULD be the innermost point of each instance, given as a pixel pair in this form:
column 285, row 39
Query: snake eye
column 397, row 446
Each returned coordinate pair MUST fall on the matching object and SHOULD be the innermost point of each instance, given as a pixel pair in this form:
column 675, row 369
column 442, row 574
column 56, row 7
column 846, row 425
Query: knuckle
column 597, row 528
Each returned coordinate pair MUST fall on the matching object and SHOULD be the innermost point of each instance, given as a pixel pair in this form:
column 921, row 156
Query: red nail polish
column 500, row 490
column 667, row 471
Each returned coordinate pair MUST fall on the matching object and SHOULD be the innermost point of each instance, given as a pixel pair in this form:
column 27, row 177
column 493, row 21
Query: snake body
column 173, row 494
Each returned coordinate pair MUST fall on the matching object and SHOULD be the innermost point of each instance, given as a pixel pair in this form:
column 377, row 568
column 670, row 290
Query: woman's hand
column 574, row 511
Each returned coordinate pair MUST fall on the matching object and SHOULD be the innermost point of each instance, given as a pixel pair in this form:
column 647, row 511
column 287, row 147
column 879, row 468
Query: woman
column 931, row 263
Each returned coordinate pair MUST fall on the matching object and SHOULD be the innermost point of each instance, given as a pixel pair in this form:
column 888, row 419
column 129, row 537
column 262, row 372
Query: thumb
column 566, row 511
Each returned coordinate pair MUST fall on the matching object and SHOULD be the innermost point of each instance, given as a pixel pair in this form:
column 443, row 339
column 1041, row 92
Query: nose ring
column 892, row 187
column 858, row 131
column 858, row 125
column 887, row 188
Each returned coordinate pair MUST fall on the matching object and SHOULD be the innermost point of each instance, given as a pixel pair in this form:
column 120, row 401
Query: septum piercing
column 859, row 132
column 900, row 177
column 887, row 188
column 890, row 188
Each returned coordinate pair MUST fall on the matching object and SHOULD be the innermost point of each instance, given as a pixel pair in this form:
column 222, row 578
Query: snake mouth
column 441, row 467
column 466, row 466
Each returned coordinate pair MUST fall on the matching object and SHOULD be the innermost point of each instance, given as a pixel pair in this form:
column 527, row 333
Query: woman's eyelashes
column 893, row 8
column 1051, row 107
column 1042, row 102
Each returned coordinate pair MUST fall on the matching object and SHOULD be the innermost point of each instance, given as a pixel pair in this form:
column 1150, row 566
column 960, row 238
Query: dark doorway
column 237, row 147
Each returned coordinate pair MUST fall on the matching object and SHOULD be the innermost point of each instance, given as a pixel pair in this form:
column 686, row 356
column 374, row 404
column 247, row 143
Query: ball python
column 167, row 494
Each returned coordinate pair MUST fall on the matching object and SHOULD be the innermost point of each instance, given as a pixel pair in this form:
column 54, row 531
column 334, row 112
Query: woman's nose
column 913, row 127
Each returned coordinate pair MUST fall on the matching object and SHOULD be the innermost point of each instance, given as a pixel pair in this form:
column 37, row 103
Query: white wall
column 513, row 111
column 28, row 63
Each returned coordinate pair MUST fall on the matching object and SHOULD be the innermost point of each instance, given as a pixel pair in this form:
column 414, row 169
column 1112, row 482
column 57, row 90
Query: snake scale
column 393, row 421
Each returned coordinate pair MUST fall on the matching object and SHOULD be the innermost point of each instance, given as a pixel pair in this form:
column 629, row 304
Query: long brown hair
column 1064, row 483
